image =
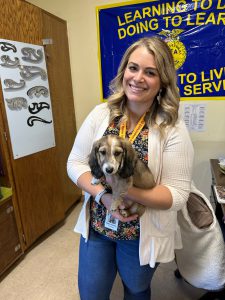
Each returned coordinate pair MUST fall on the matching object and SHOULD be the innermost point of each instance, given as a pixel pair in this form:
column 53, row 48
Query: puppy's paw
column 114, row 207
column 95, row 181
column 124, row 213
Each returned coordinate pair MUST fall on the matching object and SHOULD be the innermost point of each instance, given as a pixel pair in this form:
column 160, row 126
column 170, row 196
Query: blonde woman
column 144, row 99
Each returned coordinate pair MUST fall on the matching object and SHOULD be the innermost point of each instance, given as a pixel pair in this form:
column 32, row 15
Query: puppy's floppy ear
column 94, row 162
column 129, row 160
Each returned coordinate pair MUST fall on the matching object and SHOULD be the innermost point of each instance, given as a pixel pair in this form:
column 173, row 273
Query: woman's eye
column 150, row 73
column 132, row 68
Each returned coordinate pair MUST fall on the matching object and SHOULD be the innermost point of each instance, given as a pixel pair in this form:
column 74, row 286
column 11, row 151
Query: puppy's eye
column 117, row 153
column 102, row 152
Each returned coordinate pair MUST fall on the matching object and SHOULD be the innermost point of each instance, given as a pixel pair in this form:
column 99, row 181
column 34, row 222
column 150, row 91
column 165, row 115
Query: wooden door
column 42, row 188
column 61, row 91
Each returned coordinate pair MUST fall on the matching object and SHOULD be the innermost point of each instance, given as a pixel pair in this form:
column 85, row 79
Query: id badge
column 111, row 222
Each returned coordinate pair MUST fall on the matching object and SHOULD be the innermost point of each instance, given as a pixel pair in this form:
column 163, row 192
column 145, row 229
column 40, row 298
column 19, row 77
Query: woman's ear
column 129, row 160
column 96, row 170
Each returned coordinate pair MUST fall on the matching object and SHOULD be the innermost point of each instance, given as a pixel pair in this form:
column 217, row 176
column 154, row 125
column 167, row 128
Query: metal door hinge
column 24, row 239
column 9, row 209
column 47, row 42
column 5, row 135
column 17, row 247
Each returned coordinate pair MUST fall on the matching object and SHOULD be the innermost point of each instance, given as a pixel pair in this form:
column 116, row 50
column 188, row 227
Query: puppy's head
column 111, row 155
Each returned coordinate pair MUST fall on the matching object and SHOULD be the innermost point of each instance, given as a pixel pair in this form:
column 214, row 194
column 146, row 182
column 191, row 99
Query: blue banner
column 193, row 29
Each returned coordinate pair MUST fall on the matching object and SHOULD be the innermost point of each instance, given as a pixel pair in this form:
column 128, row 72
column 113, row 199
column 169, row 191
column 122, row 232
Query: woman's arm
column 158, row 197
column 84, row 182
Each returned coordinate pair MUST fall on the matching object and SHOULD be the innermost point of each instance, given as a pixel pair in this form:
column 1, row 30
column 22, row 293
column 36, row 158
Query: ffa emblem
column 176, row 46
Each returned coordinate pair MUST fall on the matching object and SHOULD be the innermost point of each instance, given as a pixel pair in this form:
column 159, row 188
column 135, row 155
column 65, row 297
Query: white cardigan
column 170, row 160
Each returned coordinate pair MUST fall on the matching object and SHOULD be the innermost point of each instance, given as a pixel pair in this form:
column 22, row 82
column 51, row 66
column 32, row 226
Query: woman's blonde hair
column 167, row 109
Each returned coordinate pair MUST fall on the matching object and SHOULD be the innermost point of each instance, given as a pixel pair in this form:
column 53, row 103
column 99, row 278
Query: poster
column 193, row 29
column 26, row 97
column 194, row 116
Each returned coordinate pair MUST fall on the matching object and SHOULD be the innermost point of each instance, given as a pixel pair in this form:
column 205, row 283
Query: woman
column 145, row 86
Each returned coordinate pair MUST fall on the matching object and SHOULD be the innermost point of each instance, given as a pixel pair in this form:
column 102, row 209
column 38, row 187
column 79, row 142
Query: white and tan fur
column 116, row 159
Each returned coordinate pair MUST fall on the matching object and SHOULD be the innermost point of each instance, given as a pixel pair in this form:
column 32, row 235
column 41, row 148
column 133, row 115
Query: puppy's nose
column 109, row 170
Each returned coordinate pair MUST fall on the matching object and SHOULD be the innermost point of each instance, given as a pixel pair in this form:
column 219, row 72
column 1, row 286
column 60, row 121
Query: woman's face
column 141, row 82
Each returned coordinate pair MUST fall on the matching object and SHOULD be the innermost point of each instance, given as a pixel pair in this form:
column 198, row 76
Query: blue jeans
column 99, row 261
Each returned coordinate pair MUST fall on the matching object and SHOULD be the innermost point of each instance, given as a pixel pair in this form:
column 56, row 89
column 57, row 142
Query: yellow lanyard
column 136, row 131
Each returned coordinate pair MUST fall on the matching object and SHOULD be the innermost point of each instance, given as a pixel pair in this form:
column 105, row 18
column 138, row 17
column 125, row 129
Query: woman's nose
column 139, row 76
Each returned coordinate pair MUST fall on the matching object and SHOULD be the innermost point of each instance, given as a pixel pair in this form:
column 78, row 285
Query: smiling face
column 141, row 81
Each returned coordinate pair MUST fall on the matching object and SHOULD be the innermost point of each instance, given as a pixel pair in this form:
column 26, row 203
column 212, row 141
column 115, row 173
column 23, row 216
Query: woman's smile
column 137, row 89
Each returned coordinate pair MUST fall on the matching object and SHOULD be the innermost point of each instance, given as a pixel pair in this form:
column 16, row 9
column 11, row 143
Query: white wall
column 82, row 31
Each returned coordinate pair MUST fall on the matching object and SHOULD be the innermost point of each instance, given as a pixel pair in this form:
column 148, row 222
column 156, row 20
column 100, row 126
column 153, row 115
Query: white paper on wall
column 26, row 97
column 194, row 116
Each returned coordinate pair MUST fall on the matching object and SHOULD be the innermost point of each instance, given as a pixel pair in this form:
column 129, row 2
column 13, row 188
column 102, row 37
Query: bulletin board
column 193, row 29
column 26, row 97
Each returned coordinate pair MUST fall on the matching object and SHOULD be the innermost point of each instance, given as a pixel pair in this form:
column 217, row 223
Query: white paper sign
column 26, row 97
column 194, row 116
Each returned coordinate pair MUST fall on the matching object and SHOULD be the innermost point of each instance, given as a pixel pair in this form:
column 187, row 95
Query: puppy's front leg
column 118, row 191
column 117, row 201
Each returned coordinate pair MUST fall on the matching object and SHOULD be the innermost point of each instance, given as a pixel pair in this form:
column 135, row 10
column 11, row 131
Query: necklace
column 136, row 131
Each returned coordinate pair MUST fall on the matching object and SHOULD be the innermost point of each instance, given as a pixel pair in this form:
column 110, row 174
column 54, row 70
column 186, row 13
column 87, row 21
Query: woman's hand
column 107, row 201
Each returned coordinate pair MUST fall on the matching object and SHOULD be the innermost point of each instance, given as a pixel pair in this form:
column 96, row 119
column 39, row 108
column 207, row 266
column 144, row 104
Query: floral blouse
column 128, row 230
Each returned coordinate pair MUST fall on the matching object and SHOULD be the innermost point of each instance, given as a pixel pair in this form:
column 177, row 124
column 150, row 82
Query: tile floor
column 49, row 272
